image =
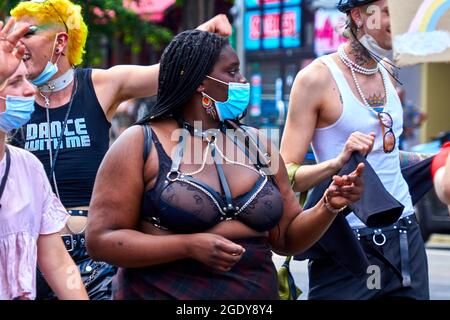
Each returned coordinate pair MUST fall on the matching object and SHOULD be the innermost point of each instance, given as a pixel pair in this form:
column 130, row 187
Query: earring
column 57, row 51
column 206, row 101
column 207, row 104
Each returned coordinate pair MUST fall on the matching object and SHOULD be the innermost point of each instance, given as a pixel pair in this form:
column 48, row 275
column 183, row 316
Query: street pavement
column 438, row 252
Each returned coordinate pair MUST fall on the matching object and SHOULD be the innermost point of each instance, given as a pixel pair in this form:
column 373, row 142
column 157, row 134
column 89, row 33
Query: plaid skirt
column 254, row 277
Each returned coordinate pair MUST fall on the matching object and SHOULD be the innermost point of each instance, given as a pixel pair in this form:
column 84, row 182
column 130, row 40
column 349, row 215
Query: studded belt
column 72, row 241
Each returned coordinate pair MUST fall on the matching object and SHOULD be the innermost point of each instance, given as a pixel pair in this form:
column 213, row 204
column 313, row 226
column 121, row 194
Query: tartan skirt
column 254, row 277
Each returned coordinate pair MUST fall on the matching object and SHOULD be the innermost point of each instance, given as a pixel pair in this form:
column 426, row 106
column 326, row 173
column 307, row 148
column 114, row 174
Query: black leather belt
column 72, row 240
column 379, row 239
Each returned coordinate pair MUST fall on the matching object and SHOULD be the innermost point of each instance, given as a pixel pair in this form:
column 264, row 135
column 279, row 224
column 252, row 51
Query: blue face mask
column 237, row 102
column 49, row 71
column 18, row 112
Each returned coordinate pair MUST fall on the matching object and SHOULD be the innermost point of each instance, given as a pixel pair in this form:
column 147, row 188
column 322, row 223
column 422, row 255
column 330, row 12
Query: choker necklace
column 5, row 176
column 206, row 134
column 352, row 65
column 59, row 83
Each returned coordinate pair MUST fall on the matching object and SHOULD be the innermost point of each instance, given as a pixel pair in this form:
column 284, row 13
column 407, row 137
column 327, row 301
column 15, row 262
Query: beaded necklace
column 357, row 68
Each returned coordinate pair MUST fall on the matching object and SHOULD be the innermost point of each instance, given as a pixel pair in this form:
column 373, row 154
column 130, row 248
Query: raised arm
column 306, row 104
column 125, row 82
column 411, row 158
column 298, row 230
column 114, row 216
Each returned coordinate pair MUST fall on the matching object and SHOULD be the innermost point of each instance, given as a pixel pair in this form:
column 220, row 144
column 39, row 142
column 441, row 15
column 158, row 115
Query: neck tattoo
column 360, row 53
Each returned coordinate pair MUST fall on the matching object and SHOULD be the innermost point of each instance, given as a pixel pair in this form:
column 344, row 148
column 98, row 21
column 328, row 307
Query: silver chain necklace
column 63, row 129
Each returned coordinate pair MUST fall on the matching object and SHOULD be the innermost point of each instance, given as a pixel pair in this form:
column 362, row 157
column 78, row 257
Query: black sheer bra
column 180, row 203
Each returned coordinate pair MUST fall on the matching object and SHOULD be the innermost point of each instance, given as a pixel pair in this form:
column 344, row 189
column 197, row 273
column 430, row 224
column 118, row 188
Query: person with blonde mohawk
column 69, row 130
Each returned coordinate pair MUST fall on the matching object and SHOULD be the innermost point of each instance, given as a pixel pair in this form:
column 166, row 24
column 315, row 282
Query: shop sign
column 290, row 33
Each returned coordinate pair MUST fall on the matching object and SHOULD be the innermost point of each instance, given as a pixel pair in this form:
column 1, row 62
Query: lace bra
column 182, row 204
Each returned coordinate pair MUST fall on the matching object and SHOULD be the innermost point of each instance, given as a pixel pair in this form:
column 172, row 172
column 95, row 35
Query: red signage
column 272, row 25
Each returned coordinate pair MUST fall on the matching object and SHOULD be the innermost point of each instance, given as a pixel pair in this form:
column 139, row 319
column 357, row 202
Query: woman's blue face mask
column 237, row 102
column 18, row 112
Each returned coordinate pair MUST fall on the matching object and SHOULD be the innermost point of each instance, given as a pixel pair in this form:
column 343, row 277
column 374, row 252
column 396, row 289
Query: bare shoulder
column 315, row 76
column 100, row 75
column 129, row 142
column 310, row 88
column 110, row 77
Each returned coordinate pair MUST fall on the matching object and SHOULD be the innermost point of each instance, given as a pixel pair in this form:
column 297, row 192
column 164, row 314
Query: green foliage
column 6, row 6
column 122, row 24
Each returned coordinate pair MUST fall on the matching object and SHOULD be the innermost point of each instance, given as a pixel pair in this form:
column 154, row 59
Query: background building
column 278, row 42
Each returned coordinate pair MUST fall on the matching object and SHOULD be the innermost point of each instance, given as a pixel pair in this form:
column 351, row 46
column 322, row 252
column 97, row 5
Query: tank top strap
column 338, row 76
column 389, row 85
column 162, row 155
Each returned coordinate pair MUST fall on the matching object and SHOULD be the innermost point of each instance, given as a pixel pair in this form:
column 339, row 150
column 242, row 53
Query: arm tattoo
column 361, row 54
column 410, row 158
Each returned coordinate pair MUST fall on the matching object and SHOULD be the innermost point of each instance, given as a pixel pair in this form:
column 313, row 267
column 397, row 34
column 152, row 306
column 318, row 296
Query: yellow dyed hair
column 52, row 12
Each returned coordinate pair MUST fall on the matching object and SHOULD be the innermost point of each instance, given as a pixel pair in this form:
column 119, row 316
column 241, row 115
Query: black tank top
column 83, row 146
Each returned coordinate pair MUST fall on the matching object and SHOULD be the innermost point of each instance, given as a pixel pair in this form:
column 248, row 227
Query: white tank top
column 328, row 142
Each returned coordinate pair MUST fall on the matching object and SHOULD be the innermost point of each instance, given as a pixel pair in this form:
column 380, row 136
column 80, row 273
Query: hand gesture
column 356, row 142
column 11, row 52
column 215, row 251
column 346, row 189
column 219, row 24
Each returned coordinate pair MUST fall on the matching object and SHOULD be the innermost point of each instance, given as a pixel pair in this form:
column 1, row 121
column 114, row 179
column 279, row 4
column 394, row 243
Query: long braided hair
column 190, row 56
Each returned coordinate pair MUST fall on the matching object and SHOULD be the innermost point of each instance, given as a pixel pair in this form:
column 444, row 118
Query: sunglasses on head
column 389, row 139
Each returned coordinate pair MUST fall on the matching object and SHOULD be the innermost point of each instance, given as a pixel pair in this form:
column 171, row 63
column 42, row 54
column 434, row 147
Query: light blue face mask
column 18, row 112
column 49, row 71
column 237, row 102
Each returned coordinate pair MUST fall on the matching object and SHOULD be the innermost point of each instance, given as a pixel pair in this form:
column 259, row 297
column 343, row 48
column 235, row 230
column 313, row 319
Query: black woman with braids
column 69, row 129
column 200, row 222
